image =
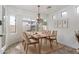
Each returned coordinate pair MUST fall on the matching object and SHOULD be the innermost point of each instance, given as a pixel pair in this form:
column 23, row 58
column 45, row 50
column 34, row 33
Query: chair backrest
column 54, row 33
column 46, row 32
column 25, row 37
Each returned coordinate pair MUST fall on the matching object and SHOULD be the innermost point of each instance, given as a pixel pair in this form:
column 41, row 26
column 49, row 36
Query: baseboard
column 67, row 46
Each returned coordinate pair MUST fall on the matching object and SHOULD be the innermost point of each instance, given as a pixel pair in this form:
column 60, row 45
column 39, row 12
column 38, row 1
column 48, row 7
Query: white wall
column 66, row 36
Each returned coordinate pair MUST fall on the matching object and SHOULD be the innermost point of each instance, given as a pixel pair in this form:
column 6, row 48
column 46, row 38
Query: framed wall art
column 65, row 23
column 60, row 23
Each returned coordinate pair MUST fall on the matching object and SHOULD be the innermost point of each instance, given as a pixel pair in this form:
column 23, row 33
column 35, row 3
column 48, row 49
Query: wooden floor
column 57, row 49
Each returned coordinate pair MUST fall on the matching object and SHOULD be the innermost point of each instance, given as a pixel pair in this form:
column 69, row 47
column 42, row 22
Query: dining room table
column 40, row 36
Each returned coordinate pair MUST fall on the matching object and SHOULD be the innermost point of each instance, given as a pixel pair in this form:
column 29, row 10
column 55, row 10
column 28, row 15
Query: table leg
column 39, row 49
column 40, row 43
column 45, row 41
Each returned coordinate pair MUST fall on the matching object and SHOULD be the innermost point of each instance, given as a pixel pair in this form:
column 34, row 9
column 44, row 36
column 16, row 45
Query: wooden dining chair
column 52, row 38
column 29, row 41
column 45, row 32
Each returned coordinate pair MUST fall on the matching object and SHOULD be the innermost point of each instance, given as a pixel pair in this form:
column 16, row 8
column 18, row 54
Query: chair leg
column 56, row 42
column 24, row 45
column 26, row 49
column 50, row 43
column 39, row 48
column 41, row 41
column 46, row 42
column 39, row 44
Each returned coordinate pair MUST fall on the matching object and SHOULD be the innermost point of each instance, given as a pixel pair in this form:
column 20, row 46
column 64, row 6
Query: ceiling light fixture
column 39, row 19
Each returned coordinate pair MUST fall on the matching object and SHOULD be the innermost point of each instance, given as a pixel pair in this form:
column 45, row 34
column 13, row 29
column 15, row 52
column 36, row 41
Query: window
column 77, row 9
column 26, row 26
column 29, row 24
column 64, row 14
column 44, row 25
column 12, row 24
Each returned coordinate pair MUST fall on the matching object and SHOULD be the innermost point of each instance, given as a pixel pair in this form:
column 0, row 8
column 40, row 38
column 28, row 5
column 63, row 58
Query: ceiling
column 46, row 9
